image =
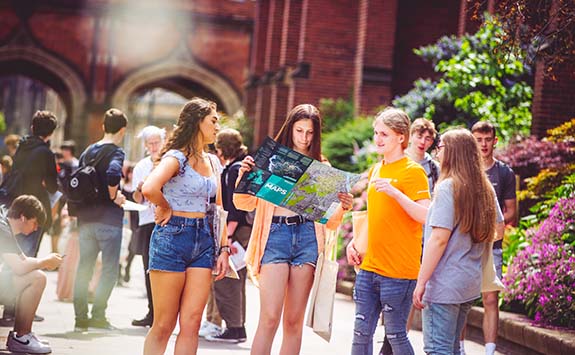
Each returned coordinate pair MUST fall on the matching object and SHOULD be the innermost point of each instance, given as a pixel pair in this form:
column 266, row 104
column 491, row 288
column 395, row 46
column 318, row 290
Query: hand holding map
column 294, row 181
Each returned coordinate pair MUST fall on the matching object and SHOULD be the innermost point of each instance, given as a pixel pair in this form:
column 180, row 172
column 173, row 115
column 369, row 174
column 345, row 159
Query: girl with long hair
column 397, row 201
column 182, row 249
column 461, row 223
column 284, row 246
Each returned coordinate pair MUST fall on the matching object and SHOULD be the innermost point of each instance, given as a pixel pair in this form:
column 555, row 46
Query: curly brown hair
column 187, row 128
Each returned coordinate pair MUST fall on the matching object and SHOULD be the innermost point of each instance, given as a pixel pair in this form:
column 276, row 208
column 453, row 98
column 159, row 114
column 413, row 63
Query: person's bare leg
column 30, row 288
column 490, row 319
column 167, row 289
column 194, row 299
column 298, row 288
column 273, row 283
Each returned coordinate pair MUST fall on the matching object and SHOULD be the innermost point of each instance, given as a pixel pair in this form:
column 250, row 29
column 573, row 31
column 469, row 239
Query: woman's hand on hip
column 162, row 215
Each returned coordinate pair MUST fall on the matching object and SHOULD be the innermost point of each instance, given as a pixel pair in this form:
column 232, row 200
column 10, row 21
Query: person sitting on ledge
column 22, row 282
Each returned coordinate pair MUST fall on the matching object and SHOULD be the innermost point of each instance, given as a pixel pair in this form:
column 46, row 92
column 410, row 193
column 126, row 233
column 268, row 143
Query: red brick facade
column 267, row 55
column 362, row 50
column 92, row 52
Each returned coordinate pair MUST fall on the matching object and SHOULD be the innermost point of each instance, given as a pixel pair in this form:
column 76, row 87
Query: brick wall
column 420, row 22
column 8, row 22
column 553, row 99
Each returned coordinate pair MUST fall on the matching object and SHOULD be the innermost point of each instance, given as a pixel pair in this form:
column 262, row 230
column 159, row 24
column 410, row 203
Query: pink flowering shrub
column 542, row 276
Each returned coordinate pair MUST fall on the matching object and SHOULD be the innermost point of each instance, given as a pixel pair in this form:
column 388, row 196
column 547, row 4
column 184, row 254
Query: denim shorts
column 180, row 244
column 293, row 244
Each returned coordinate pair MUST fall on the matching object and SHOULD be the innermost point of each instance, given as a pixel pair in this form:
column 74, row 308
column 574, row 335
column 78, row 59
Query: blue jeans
column 372, row 294
column 96, row 237
column 442, row 324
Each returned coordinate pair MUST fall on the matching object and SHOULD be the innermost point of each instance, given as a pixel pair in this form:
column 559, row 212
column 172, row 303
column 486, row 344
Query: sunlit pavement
column 129, row 302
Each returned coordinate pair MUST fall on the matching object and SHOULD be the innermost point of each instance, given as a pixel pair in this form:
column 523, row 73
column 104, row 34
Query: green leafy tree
column 475, row 83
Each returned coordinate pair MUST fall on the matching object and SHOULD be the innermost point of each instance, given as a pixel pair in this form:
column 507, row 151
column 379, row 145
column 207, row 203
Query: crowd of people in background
column 430, row 219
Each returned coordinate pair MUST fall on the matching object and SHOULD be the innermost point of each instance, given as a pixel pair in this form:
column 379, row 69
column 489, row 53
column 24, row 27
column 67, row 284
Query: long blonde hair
column 474, row 197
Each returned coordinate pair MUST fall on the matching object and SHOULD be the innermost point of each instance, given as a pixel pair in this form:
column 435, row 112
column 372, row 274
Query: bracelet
column 225, row 248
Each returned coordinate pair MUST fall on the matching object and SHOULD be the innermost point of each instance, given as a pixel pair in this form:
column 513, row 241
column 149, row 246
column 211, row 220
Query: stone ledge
column 516, row 335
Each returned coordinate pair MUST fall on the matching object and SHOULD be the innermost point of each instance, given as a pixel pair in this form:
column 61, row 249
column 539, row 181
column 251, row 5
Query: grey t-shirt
column 503, row 180
column 431, row 168
column 8, row 244
column 457, row 277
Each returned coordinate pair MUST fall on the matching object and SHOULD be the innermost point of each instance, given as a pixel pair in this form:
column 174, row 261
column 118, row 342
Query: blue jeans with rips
column 373, row 294
column 442, row 324
column 96, row 237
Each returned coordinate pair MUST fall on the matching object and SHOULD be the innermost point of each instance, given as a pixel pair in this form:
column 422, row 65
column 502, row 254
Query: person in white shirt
column 153, row 139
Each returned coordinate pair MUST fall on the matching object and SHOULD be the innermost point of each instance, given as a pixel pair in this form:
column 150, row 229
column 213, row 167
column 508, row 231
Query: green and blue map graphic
column 292, row 180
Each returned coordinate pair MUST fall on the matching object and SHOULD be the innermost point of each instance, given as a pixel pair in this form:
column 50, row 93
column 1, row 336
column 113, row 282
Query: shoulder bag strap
column 219, row 183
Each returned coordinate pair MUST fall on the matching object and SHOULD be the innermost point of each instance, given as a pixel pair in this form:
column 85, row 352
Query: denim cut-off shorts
column 180, row 244
column 294, row 244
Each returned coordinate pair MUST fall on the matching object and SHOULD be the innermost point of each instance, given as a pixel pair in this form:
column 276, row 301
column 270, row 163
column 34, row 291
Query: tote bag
column 489, row 281
column 359, row 223
column 321, row 301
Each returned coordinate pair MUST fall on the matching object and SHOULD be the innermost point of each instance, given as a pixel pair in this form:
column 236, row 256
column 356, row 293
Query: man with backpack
column 93, row 191
column 34, row 173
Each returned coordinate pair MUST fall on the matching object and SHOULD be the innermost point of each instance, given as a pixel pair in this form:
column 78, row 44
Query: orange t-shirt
column 394, row 238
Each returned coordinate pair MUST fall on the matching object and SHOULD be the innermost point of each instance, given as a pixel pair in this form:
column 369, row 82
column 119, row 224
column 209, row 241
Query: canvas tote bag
column 489, row 281
column 322, row 298
column 359, row 223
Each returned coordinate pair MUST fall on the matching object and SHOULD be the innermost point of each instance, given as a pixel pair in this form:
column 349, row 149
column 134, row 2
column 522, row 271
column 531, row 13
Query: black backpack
column 82, row 186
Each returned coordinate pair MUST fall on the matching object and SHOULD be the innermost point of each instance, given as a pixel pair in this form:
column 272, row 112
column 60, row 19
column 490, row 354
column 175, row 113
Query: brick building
column 100, row 53
column 264, row 56
column 306, row 50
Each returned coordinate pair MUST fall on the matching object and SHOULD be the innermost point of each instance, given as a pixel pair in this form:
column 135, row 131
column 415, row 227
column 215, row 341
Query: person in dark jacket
column 35, row 165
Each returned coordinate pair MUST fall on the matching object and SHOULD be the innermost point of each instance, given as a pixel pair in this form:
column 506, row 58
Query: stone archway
column 223, row 90
column 73, row 92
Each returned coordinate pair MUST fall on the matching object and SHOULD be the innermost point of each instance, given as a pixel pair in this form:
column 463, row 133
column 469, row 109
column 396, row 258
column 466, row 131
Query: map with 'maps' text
column 297, row 182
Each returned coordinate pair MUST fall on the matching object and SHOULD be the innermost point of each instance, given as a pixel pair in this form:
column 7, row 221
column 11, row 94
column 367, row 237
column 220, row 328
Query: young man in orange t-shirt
column 397, row 199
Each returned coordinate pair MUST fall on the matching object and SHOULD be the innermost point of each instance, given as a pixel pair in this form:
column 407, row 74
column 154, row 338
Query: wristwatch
column 225, row 248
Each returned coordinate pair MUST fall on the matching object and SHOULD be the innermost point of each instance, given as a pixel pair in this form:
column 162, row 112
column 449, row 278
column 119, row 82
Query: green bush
column 341, row 145
column 335, row 113
column 475, row 83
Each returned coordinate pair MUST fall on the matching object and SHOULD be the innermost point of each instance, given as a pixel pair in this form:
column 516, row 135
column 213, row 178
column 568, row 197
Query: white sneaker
column 45, row 342
column 209, row 329
column 27, row 343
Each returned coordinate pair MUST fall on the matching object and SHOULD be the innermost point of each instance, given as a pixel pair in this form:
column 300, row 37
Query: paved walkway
column 129, row 302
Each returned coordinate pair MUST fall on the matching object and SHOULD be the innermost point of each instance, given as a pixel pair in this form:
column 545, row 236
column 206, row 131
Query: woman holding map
column 284, row 246
column 397, row 200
